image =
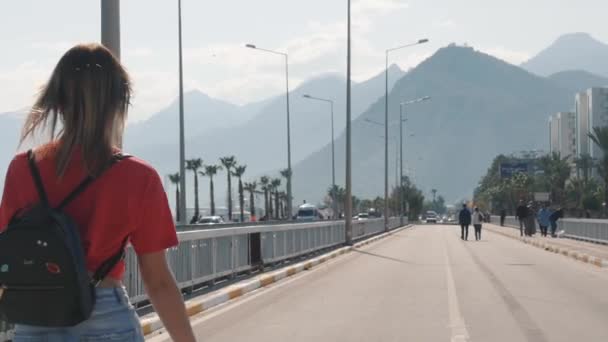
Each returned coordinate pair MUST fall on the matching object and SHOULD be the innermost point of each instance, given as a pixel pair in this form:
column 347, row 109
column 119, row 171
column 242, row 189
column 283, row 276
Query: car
column 363, row 216
column 210, row 220
column 431, row 217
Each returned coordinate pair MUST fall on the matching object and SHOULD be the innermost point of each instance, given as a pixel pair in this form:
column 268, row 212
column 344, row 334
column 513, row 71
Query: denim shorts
column 113, row 319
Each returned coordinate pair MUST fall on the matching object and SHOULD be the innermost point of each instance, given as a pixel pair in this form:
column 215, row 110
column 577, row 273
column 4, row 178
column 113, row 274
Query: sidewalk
column 583, row 251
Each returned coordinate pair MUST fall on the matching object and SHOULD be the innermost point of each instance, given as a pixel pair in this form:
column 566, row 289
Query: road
column 425, row 284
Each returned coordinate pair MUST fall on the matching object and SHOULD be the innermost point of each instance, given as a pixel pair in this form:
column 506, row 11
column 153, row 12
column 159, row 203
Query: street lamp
column 421, row 41
column 110, row 38
column 348, row 207
column 182, row 141
column 110, row 26
column 401, row 121
column 333, row 152
column 289, row 176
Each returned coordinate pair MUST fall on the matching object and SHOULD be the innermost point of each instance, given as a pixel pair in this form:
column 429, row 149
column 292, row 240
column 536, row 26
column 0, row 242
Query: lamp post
column 182, row 141
column 348, row 207
column 421, row 41
column 290, row 173
column 401, row 121
column 333, row 152
column 110, row 26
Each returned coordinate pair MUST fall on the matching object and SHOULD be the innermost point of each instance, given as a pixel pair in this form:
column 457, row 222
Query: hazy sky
column 35, row 33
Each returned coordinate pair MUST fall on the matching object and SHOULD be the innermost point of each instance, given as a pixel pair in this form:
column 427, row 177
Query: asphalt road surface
column 425, row 284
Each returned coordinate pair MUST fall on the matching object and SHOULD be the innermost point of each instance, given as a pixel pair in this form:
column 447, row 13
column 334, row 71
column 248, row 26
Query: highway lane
column 425, row 284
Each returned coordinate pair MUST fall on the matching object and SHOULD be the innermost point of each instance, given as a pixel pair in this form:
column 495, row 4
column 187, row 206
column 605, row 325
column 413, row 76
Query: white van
column 307, row 212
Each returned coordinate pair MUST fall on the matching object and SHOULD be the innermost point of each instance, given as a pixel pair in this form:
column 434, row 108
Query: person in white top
column 477, row 220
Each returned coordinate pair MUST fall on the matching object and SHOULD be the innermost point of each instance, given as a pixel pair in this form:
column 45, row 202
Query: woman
column 88, row 94
column 477, row 221
column 543, row 219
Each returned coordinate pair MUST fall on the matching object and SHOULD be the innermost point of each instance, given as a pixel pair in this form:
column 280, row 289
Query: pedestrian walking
column 477, row 222
column 83, row 200
column 503, row 216
column 521, row 212
column 464, row 219
column 556, row 215
column 543, row 219
column 530, row 220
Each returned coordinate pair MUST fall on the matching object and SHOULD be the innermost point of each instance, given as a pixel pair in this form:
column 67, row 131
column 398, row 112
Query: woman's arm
column 165, row 296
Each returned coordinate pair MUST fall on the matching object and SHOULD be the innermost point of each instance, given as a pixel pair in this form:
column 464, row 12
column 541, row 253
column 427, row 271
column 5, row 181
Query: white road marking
column 457, row 324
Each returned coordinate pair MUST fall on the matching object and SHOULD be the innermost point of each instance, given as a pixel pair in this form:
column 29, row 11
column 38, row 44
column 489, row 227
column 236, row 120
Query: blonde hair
column 89, row 93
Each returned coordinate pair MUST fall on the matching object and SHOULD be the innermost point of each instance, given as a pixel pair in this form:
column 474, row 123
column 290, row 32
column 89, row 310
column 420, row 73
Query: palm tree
column 265, row 184
column 332, row 192
column 275, row 183
column 229, row 163
column 283, row 199
column 174, row 178
column 251, row 188
column 193, row 165
column 584, row 163
column 238, row 172
column 557, row 171
column 285, row 173
column 210, row 171
column 600, row 138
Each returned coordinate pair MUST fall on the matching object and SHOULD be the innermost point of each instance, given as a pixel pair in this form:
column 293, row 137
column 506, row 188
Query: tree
column 283, row 204
column 584, row 164
column 229, row 163
column 285, row 173
column 175, row 179
column 557, row 171
column 193, row 165
column 238, row 172
column 275, row 183
column 265, row 185
column 332, row 192
column 210, row 171
column 434, row 191
column 600, row 138
column 251, row 188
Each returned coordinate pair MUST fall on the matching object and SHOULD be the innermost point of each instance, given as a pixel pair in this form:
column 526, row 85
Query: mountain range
column 480, row 106
column 574, row 51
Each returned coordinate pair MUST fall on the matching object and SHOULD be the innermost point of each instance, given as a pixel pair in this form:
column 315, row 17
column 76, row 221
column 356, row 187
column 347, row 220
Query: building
column 598, row 114
column 591, row 109
column 581, row 111
column 562, row 130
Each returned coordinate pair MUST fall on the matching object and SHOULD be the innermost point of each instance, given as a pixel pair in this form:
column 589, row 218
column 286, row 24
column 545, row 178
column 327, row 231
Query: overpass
column 299, row 282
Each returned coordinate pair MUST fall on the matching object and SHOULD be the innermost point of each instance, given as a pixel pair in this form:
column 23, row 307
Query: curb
column 586, row 258
column 194, row 307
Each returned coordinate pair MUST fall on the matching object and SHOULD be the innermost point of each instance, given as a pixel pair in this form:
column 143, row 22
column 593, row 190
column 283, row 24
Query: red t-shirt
column 127, row 200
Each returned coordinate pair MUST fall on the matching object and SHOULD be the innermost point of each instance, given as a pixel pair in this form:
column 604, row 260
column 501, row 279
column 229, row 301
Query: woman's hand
column 165, row 296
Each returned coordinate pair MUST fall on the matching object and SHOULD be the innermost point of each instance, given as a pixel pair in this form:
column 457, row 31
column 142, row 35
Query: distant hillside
column 202, row 114
column 480, row 106
column 574, row 51
column 578, row 80
column 260, row 143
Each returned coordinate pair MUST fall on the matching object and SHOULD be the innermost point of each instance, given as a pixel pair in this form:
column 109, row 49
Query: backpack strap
column 107, row 266
column 37, row 179
column 87, row 181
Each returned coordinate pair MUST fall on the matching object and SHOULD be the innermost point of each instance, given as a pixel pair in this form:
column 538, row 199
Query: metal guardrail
column 204, row 256
column 590, row 230
column 510, row 221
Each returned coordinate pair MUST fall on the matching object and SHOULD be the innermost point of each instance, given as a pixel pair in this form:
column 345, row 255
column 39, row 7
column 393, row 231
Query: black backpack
column 43, row 276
